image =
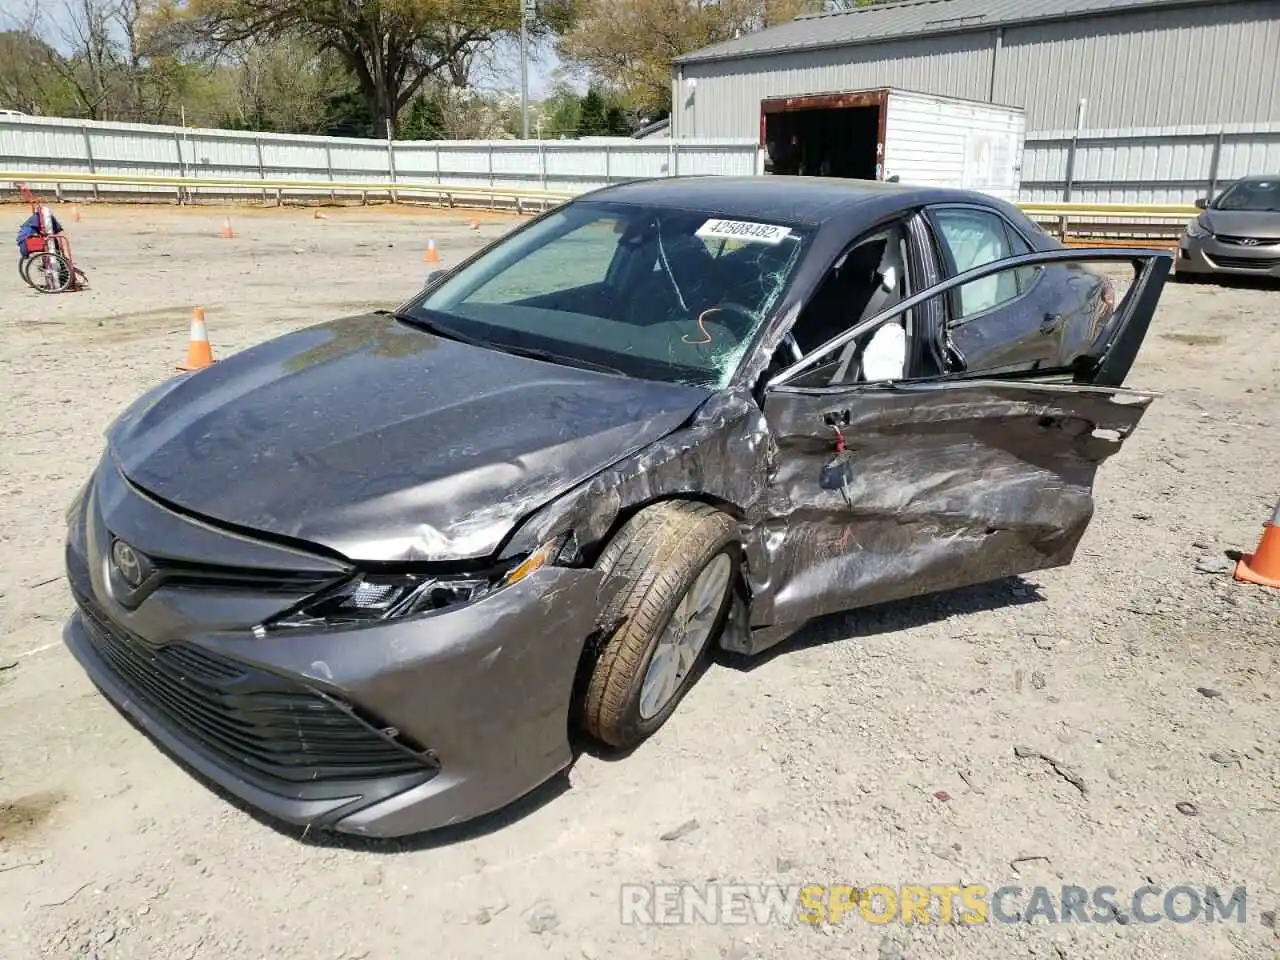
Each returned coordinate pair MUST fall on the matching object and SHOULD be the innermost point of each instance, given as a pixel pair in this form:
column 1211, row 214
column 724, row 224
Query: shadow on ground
column 896, row 616
column 870, row 621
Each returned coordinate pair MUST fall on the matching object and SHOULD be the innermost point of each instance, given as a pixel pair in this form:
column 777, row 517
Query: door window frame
column 946, row 258
column 1152, row 269
column 900, row 222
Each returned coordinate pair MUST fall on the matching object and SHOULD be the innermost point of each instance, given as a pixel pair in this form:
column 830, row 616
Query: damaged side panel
column 937, row 486
column 722, row 454
column 725, row 455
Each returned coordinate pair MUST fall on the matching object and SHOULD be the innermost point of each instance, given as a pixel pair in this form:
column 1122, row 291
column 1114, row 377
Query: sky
column 505, row 71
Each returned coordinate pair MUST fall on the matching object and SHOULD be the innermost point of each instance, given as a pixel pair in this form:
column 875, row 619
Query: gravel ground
column 1112, row 723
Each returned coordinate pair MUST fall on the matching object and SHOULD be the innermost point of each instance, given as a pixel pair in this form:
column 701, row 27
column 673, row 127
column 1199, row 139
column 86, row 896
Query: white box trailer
column 888, row 133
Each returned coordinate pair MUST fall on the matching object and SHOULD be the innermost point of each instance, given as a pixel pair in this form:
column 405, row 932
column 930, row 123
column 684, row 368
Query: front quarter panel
column 486, row 688
column 724, row 456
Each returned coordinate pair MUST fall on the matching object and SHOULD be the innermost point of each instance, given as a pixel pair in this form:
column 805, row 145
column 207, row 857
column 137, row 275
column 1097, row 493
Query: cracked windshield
column 651, row 292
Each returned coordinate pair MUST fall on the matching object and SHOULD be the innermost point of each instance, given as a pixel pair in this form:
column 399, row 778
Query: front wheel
column 47, row 272
column 678, row 562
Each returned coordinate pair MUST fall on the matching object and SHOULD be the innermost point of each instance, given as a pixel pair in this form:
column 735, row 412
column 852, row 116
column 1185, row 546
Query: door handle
column 1050, row 322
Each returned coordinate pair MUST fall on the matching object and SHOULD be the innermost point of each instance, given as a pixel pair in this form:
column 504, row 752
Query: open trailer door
column 892, row 134
column 825, row 134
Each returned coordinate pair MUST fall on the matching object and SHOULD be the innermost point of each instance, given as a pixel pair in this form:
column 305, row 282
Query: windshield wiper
column 444, row 330
column 536, row 354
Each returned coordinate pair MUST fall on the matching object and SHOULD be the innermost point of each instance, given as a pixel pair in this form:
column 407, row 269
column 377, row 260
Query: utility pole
column 527, row 9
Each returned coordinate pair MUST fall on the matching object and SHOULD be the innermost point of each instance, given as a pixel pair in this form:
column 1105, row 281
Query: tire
column 660, row 554
column 47, row 272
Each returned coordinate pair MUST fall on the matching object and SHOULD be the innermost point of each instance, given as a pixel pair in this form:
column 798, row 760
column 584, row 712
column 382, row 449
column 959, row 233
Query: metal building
column 1136, row 63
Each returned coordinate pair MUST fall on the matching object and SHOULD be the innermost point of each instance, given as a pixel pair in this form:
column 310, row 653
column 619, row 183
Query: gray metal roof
column 656, row 127
column 914, row 18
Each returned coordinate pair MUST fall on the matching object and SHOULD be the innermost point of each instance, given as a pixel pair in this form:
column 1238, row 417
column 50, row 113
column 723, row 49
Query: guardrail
column 187, row 187
column 1175, row 211
column 1157, row 223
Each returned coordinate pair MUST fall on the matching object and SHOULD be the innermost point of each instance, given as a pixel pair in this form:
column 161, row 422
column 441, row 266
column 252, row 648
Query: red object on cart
column 46, row 241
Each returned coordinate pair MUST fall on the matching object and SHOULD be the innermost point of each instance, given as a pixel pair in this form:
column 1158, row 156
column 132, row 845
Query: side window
column 1018, row 247
column 870, row 277
column 974, row 238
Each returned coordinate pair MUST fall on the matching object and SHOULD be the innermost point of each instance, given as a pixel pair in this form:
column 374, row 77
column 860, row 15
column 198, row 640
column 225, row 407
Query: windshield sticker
column 741, row 230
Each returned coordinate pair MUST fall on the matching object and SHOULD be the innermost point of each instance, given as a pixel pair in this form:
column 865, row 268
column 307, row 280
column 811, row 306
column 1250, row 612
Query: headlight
column 1198, row 230
column 549, row 552
column 371, row 597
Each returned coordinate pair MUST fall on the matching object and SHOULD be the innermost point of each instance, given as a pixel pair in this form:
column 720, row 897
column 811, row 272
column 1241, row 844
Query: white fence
column 40, row 144
column 1165, row 165
column 1157, row 165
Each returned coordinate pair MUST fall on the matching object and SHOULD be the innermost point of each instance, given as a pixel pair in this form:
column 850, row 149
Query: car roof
column 814, row 200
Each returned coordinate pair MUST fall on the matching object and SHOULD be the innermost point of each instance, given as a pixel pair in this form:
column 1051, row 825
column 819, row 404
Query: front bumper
column 382, row 731
column 1209, row 255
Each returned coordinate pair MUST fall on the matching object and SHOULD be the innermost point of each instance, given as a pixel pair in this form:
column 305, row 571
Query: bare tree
column 282, row 85
column 92, row 64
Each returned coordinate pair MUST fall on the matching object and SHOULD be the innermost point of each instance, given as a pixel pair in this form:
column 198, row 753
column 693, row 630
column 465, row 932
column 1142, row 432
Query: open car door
column 896, row 489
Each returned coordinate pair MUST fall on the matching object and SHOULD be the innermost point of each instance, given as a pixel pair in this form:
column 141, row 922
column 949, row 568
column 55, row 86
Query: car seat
column 890, row 284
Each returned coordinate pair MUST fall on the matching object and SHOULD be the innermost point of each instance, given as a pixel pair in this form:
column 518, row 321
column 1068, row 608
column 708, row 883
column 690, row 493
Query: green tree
column 27, row 81
column 561, row 113
column 424, row 120
column 629, row 44
column 347, row 114
column 619, row 122
column 390, row 47
column 593, row 120
column 283, row 86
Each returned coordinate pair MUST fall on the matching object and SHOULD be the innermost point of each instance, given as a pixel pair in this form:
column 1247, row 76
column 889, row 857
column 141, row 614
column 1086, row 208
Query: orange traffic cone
column 75, row 214
column 317, row 215
column 1263, row 565
column 474, row 224
column 199, row 353
column 226, row 232
column 432, row 255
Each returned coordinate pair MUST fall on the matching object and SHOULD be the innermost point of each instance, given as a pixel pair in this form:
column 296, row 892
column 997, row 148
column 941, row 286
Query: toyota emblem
column 127, row 562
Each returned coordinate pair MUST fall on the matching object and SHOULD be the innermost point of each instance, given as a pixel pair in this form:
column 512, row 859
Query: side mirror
column 435, row 275
column 1202, row 203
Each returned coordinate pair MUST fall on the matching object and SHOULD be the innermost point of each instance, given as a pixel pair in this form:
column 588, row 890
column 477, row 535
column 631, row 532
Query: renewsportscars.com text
column 814, row 904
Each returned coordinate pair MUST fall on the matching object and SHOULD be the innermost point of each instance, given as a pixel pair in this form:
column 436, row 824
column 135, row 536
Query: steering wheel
column 728, row 306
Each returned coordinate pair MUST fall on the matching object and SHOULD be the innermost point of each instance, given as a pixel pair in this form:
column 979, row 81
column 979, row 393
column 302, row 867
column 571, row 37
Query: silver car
column 1238, row 234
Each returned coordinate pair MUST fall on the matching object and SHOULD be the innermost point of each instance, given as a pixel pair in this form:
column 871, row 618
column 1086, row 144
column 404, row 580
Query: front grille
column 1249, row 241
column 253, row 720
column 1246, row 263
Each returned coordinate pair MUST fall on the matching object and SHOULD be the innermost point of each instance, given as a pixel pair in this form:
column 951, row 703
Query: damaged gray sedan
column 369, row 576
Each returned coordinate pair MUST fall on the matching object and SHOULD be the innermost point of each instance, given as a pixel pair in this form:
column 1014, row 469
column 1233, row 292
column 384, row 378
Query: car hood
column 382, row 442
column 1259, row 224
